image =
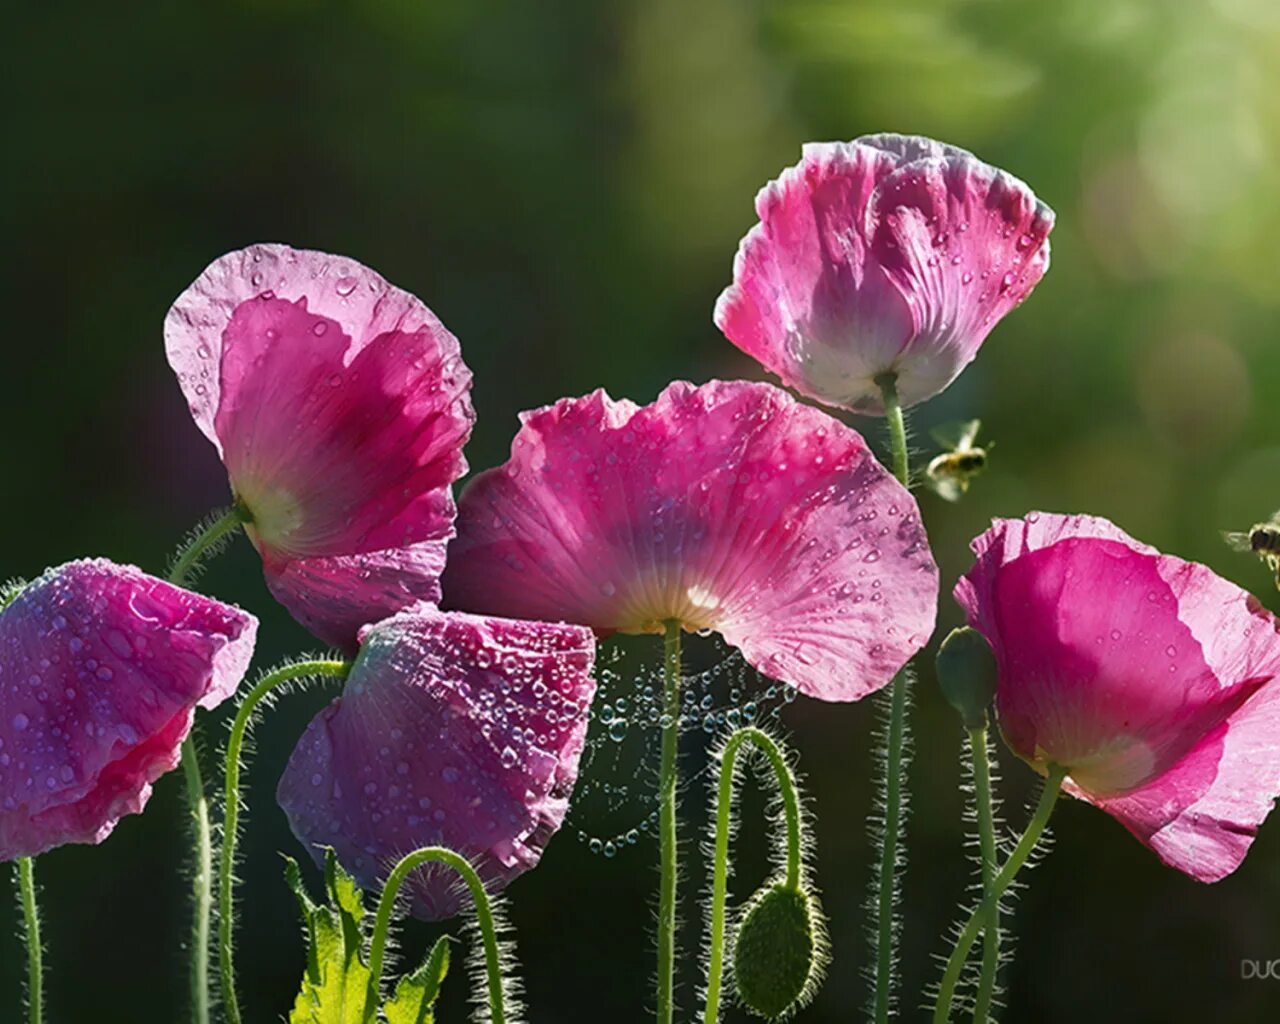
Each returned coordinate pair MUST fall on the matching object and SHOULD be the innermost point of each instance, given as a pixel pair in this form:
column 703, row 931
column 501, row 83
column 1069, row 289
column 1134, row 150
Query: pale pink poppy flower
column 1151, row 680
column 726, row 507
column 101, row 670
column 889, row 254
column 339, row 405
column 453, row 730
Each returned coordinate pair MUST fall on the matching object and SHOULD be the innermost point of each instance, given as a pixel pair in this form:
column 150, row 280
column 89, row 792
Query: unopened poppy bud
column 776, row 951
column 967, row 675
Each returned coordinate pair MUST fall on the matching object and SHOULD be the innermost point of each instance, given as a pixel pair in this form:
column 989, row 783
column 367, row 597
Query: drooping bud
column 777, row 950
column 967, row 675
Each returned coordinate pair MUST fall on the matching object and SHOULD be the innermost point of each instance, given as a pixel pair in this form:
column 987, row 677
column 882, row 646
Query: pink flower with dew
column 1150, row 679
column 339, row 405
column 889, row 254
column 101, row 670
column 453, row 730
column 726, row 507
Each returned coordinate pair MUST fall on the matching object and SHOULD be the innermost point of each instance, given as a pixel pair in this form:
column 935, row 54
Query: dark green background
column 565, row 183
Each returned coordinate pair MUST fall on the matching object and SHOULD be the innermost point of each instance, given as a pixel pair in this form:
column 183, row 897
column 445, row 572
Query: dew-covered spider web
column 616, row 798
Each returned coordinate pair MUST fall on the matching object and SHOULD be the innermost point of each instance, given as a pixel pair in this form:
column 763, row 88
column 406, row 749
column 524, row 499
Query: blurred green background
column 565, row 183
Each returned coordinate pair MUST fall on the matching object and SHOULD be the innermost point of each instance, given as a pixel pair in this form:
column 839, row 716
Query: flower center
column 696, row 608
column 275, row 517
column 1116, row 766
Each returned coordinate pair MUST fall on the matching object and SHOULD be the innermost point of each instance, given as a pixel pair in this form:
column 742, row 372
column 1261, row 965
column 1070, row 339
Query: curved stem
column 31, row 934
column 667, row 828
column 1044, row 808
column 987, row 844
column 896, row 739
column 187, row 561
column 231, row 812
column 484, row 916
column 720, row 877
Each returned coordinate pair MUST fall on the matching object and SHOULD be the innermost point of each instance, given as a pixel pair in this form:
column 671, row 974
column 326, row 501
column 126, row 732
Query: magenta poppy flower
column 101, row 670
column 889, row 254
column 1150, row 679
column 726, row 507
column 339, row 405
column 453, row 730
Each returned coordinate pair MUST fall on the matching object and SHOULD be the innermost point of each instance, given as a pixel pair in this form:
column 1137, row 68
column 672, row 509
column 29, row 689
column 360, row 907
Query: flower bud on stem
column 780, row 944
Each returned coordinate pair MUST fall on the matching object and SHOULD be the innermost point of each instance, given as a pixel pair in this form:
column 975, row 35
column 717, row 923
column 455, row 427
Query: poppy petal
column 102, row 669
column 727, row 506
column 453, row 730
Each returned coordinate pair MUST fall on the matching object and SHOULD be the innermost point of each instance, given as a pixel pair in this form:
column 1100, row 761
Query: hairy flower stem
column 201, row 880
column 31, row 935
column 720, row 876
column 198, row 547
column 484, row 917
column 231, row 810
column 987, row 844
column 186, row 562
column 897, row 427
column 977, row 920
column 667, row 827
column 896, row 739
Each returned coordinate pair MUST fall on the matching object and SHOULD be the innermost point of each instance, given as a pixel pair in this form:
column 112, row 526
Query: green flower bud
column 967, row 675
column 776, row 952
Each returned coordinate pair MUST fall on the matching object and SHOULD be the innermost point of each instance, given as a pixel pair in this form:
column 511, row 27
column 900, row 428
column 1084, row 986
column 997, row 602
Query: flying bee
column 949, row 474
column 1263, row 539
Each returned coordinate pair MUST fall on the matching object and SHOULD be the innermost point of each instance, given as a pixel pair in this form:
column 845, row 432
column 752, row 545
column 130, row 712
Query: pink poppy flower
column 454, row 730
column 727, row 507
column 339, row 405
column 101, row 669
column 1150, row 679
column 889, row 254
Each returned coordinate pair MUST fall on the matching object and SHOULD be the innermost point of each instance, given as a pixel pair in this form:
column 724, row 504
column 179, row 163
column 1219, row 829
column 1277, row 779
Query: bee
column 949, row 473
column 1263, row 539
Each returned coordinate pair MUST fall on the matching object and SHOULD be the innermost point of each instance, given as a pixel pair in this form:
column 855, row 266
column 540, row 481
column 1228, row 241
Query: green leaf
column 345, row 896
column 335, row 986
column 416, row 992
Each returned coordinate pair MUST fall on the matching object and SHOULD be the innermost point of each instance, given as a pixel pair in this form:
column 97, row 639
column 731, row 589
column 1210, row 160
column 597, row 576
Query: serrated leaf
column 342, row 997
column 345, row 896
column 417, row 992
column 335, row 986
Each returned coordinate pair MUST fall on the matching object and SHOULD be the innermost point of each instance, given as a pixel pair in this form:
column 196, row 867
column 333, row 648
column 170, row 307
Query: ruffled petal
column 102, row 669
column 727, row 506
column 964, row 243
column 889, row 254
column 808, row 301
column 454, row 730
column 1157, row 697
column 335, row 288
column 340, row 406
